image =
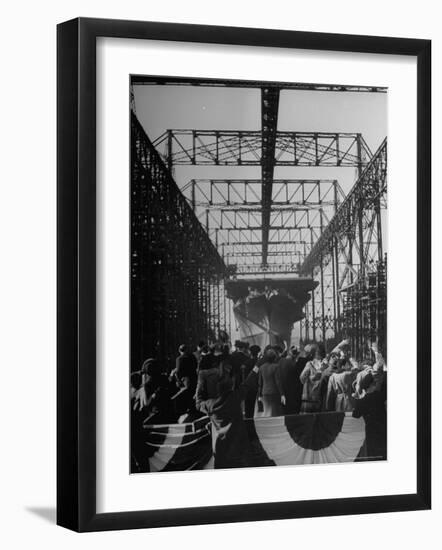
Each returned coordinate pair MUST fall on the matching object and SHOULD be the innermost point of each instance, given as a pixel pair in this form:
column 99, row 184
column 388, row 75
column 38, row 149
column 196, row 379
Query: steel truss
column 248, row 148
column 176, row 290
column 348, row 259
column 230, row 211
column 228, row 193
column 267, row 149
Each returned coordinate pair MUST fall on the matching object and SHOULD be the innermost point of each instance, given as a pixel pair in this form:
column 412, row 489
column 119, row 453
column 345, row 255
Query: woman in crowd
column 270, row 391
column 340, row 390
column 311, row 379
column 331, row 367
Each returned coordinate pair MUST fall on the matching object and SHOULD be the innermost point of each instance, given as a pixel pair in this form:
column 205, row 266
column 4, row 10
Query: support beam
column 269, row 121
column 140, row 80
column 246, row 193
column 245, row 148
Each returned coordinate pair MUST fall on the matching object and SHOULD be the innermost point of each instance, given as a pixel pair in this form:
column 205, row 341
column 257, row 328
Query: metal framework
column 268, row 148
column 269, row 121
column 266, row 225
column 176, row 280
column 349, row 260
column 245, row 148
column 142, row 80
column 231, row 212
column 248, row 192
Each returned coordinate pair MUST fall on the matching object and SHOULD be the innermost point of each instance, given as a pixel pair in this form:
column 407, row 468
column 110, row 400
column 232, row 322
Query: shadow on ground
column 48, row 514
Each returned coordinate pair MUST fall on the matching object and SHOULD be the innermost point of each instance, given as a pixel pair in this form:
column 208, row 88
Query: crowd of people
column 230, row 385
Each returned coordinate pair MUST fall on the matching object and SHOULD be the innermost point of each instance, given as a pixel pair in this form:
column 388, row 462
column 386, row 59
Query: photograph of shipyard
column 258, row 273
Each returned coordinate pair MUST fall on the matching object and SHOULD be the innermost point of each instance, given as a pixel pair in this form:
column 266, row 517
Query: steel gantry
column 268, row 148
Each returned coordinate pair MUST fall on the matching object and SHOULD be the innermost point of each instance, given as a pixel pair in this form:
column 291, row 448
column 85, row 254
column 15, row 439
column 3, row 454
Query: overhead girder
column 270, row 253
column 290, row 218
column 245, row 195
column 271, row 243
column 245, row 148
column 252, row 236
column 141, row 80
column 237, row 192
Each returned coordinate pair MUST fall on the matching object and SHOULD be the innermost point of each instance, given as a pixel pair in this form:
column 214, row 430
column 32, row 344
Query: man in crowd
column 290, row 370
column 241, row 363
column 208, row 374
column 230, row 441
column 185, row 378
column 199, row 350
column 206, row 358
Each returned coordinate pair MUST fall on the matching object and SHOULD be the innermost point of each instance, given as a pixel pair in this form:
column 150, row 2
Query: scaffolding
column 176, row 271
column 349, row 261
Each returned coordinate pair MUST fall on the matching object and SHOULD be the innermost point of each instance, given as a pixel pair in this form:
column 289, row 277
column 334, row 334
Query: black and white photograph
column 258, row 274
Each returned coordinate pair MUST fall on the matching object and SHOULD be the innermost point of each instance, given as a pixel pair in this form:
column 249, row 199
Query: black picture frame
column 76, row 273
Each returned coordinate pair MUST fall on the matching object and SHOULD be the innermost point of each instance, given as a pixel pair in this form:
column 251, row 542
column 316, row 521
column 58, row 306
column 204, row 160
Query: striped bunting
column 320, row 438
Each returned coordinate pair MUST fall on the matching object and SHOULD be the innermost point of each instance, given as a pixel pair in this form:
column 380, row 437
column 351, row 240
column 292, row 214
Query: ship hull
column 266, row 311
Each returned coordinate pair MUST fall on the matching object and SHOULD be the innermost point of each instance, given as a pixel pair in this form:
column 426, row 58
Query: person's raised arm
column 338, row 348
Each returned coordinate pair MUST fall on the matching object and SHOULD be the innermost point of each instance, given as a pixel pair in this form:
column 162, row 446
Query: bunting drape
column 319, row 438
